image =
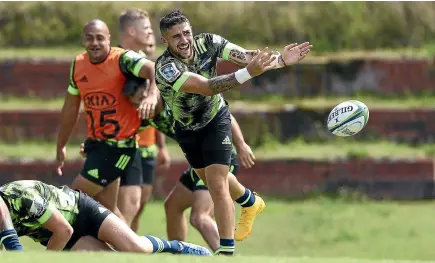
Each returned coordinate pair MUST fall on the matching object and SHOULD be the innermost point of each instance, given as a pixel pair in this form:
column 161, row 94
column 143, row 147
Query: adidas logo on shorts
column 226, row 140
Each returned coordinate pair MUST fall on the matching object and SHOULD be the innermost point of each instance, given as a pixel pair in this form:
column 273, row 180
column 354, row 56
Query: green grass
column 251, row 103
column 50, row 257
column 321, row 228
column 338, row 148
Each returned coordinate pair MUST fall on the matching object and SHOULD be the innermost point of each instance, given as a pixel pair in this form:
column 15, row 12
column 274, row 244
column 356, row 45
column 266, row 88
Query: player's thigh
column 217, row 147
column 129, row 199
column 179, row 199
column 148, row 170
column 190, row 143
column 146, row 193
column 133, row 176
column 148, row 178
column 130, row 186
column 108, row 197
column 89, row 243
column 83, row 184
column 104, row 163
column 116, row 233
column 97, row 221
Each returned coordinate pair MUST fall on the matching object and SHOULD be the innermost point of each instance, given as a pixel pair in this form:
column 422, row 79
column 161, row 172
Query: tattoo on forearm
column 241, row 57
column 223, row 83
column 5, row 218
column 237, row 56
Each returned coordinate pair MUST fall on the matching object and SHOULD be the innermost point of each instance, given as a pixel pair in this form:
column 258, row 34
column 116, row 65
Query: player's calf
column 178, row 200
column 116, row 233
column 217, row 181
column 200, row 218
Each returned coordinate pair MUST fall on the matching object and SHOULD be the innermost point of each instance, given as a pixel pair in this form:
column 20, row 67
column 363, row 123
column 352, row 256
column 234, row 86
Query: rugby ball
column 348, row 118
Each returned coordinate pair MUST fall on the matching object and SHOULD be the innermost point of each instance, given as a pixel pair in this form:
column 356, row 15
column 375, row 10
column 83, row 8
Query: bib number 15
column 103, row 121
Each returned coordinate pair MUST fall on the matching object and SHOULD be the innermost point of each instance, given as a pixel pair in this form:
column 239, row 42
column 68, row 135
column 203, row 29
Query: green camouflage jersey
column 162, row 122
column 29, row 204
column 165, row 124
column 192, row 111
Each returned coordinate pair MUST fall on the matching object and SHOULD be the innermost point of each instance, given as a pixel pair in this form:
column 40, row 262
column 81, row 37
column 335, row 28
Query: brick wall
column 403, row 125
column 47, row 79
column 377, row 178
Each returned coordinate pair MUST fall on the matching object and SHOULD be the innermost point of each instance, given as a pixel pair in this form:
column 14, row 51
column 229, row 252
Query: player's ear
column 109, row 38
column 164, row 40
column 131, row 31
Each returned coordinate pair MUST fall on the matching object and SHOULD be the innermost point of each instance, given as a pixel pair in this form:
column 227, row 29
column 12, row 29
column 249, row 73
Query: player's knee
column 169, row 205
column 218, row 188
column 197, row 220
column 129, row 205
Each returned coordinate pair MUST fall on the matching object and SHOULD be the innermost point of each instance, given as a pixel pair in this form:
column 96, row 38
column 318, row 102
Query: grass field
column 296, row 149
column 319, row 228
column 265, row 103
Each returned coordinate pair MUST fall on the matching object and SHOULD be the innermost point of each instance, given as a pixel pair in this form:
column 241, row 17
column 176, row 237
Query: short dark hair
column 130, row 16
column 173, row 18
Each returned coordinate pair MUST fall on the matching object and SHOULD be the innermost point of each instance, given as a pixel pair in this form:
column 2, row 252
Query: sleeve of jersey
column 223, row 47
column 72, row 87
column 172, row 74
column 132, row 62
column 37, row 208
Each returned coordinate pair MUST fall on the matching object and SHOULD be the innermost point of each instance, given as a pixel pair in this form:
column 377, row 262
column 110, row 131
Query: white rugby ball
column 348, row 118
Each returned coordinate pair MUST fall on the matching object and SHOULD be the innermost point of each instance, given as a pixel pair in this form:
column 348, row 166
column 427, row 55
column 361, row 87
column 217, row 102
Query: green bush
column 330, row 26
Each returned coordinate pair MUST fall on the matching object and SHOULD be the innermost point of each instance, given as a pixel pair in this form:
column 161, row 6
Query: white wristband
column 242, row 75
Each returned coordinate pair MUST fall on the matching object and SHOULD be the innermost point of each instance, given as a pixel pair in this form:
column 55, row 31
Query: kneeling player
column 64, row 219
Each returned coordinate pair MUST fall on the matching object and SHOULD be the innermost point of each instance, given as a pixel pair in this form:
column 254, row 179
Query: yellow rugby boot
column 248, row 215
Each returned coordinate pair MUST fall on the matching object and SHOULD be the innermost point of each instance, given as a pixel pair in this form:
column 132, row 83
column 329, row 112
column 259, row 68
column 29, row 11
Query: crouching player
column 64, row 219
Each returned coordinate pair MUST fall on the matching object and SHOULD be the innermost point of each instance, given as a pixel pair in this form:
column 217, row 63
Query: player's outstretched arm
column 194, row 83
column 59, row 226
column 8, row 235
column 244, row 152
column 291, row 54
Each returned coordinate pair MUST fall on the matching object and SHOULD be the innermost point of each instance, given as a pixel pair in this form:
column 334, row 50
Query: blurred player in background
column 98, row 77
column 60, row 218
column 150, row 47
column 137, row 35
column 186, row 78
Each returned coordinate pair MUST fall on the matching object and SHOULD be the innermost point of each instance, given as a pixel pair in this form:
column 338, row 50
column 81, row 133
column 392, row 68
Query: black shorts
column 209, row 145
column 105, row 163
column 148, row 173
column 89, row 220
column 191, row 180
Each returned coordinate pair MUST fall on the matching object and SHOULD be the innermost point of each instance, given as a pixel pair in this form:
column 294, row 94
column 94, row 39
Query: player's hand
column 246, row 156
column 293, row 53
column 147, row 106
column 261, row 62
column 60, row 158
column 163, row 158
column 82, row 150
